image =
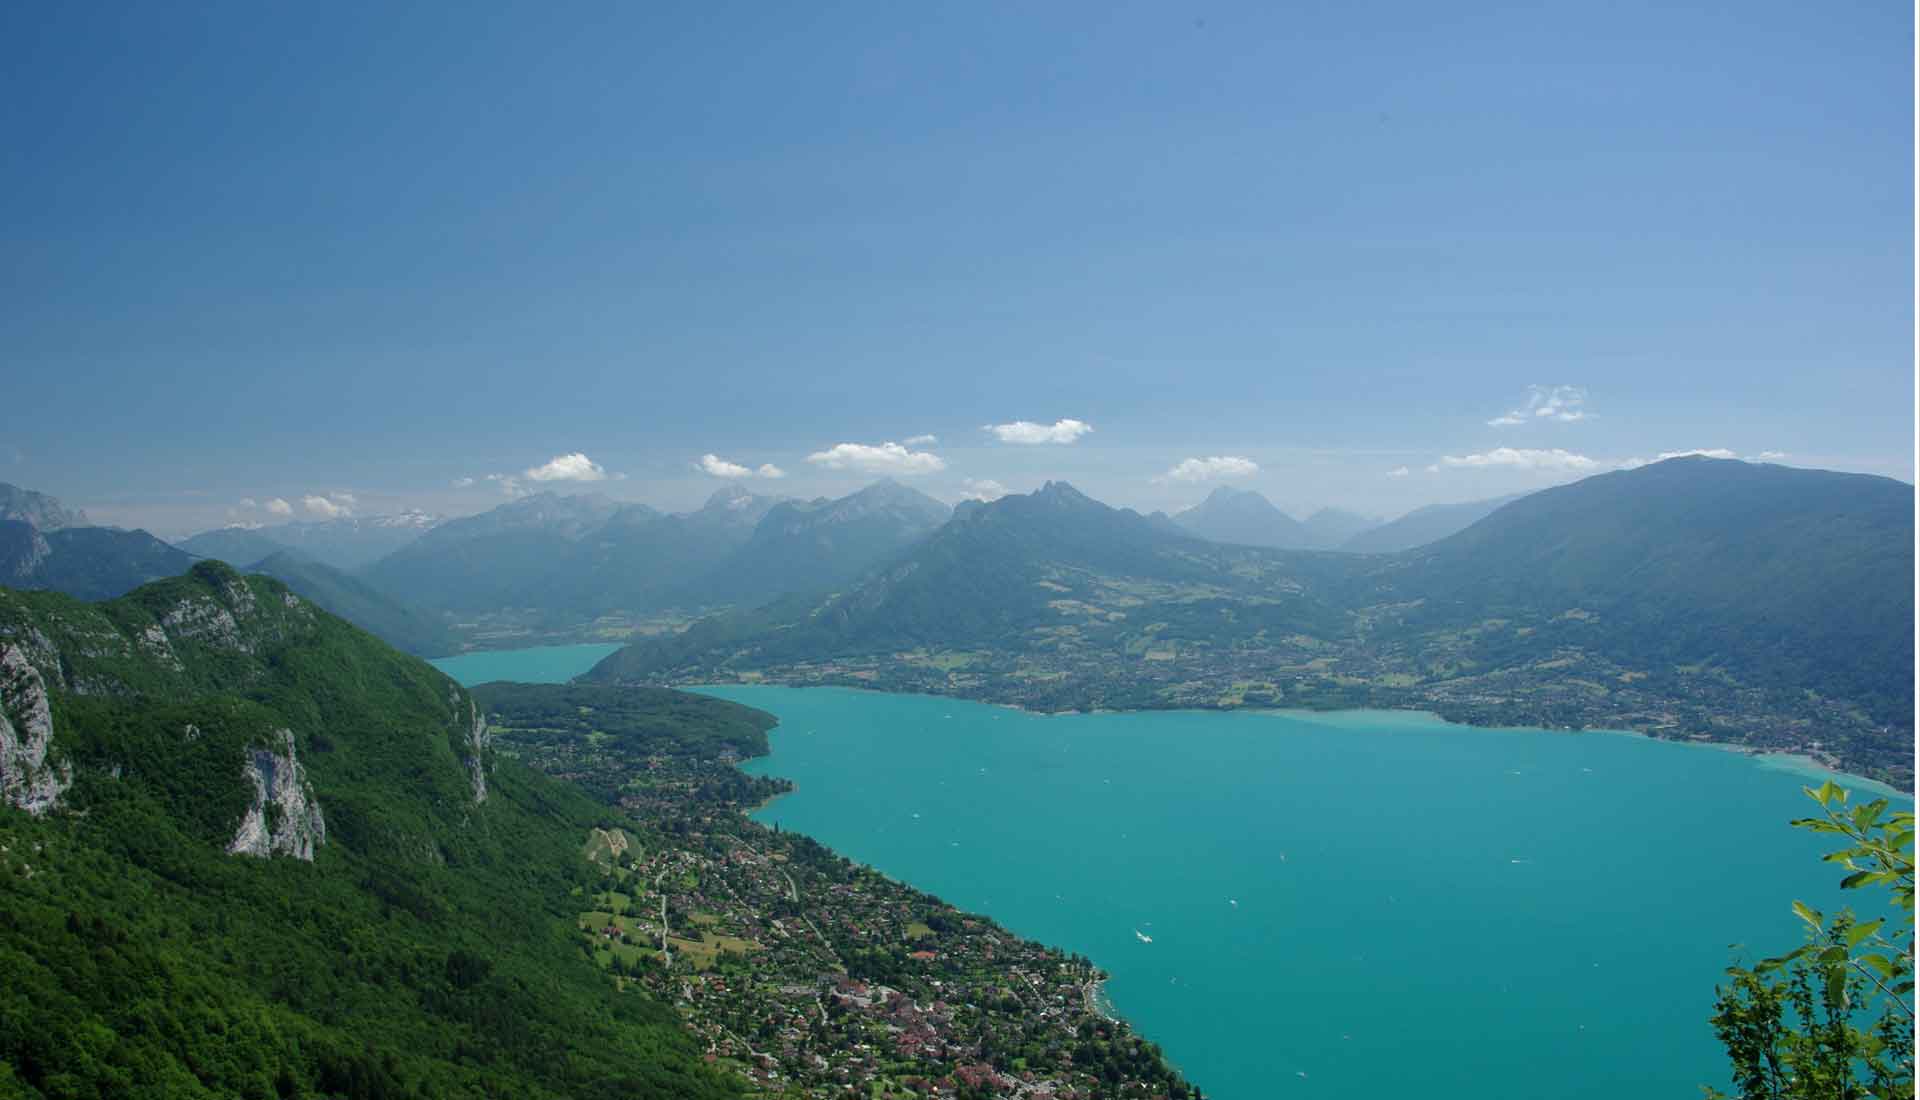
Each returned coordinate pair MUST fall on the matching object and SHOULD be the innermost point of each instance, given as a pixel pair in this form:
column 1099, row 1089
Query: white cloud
column 1026, row 431
column 1771, row 456
column 462, row 482
column 248, row 502
column 1521, row 459
column 1207, row 469
column 1562, row 403
column 277, row 506
column 982, row 489
column 324, row 508
column 573, row 467
column 1398, row 471
column 884, row 458
column 920, row 440
column 720, row 467
column 343, row 498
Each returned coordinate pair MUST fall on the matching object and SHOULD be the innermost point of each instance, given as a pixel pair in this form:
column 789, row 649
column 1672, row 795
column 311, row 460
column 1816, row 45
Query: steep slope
column 42, row 511
column 361, row 604
column 804, row 547
column 91, row 563
column 1245, row 518
column 1424, row 525
column 281, row 859
column 1797, row 579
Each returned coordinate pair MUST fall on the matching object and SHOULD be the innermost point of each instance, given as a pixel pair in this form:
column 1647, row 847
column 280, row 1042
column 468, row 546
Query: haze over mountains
column 345, row 542
column 1245, row 517
column 587, row 555
column 1693, row 597
column 45, row 545
column 1424, row 525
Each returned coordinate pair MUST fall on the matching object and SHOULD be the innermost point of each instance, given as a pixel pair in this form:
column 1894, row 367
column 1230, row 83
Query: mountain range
column 345, row 542
column 38, row 509
column 1244, row 517
column 584, row 556
column 43, row 544
column 1692, row 598
column 1696, row 597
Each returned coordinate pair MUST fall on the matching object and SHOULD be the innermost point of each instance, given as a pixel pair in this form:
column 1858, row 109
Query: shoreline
column 1797, row 763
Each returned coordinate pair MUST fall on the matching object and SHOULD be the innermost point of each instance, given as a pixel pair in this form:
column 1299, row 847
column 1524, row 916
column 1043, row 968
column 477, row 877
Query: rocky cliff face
column 27, row 779
column 39, row 509
column 22, row 551
column 284, row 818
column 472, row 741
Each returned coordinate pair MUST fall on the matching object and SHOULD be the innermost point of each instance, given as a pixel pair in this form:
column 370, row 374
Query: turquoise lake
column 1361, row 904
column 1340, row 905
column 553, row 664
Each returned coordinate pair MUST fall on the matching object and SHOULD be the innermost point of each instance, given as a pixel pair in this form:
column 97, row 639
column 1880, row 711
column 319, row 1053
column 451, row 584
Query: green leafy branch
column 1792, row 1024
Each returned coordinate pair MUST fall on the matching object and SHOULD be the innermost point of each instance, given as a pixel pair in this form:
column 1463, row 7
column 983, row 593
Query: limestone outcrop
column 28, row 780
column 284, row 818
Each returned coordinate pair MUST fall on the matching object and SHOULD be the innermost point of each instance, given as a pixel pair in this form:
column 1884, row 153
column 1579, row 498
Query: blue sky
column 256, row 252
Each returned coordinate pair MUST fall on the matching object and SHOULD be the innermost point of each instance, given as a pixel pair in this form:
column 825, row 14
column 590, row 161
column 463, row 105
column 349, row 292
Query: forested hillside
column 270, row 856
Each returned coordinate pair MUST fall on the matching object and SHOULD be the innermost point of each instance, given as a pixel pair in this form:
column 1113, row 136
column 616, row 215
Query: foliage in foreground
column 1833, row 1019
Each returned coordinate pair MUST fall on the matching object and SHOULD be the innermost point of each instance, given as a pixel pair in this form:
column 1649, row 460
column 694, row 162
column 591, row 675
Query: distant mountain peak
column 44, row 512
column 1246, row 517
column 729, row 497
column 1062, row 491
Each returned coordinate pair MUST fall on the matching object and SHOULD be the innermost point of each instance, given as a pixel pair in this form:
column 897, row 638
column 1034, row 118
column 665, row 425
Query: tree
column 1832, row 1019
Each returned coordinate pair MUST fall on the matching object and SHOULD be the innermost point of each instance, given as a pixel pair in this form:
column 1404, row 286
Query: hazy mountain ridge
column 341, row 593
column 584, row 556
column 1247, row 518
column 92, row 563
column 1332, row 527
column 1424, row 525
column 813, row 546
column 345, row 542
column 1647, row 599
column 44, row 512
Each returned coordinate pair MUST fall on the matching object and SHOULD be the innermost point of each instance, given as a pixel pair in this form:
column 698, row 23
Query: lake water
column 553, row 664
column 1351, row 905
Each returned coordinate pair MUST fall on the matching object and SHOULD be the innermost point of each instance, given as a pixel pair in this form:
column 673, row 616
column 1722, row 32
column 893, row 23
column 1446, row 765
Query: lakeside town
column 799, row 971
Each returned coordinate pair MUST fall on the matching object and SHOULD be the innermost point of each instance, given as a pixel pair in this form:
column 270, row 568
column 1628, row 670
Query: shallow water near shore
column 553, row 664
column 1351, row 905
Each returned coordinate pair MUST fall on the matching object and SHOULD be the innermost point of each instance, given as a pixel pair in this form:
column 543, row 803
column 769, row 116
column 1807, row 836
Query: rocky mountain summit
column 44, row 512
